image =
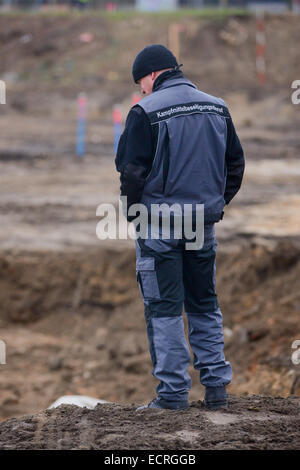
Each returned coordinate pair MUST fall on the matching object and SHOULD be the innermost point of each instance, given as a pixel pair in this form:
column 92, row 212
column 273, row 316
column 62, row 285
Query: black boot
column 159, row 402
column 215, row 398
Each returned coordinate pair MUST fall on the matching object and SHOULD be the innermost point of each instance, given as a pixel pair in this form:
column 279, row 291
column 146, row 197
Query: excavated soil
column 74, row 324
column 71, row 314
column 255, row 422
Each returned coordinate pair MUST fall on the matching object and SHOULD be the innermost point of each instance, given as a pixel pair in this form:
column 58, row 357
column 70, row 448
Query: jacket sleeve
column 134, row 156
column 235, row 163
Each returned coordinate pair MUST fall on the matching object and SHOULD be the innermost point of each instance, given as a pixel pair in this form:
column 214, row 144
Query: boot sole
column 182, row 408
column 216, row 405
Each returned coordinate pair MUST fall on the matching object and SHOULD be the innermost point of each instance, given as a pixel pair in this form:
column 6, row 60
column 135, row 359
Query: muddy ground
column 70, row 309
column 253, row 423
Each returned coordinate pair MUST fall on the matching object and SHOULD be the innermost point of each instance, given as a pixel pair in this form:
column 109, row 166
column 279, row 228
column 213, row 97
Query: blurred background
column 71, row 314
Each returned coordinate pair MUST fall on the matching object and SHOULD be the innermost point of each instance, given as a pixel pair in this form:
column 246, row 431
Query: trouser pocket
column 147, row 278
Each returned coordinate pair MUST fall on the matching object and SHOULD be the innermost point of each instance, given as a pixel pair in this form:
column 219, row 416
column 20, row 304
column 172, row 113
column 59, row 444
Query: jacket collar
column 171, row 78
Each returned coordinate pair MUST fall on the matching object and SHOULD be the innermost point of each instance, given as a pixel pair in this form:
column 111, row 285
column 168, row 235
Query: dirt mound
column 254, row 422
column 42, row 52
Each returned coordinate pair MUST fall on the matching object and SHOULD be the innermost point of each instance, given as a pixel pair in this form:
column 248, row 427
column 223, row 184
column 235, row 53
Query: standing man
column 180, row 147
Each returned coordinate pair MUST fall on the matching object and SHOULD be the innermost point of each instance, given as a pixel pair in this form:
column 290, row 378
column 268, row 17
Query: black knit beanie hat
column 152, row 58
